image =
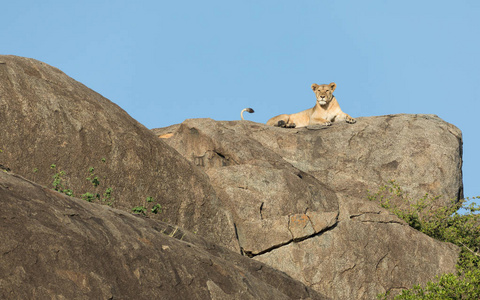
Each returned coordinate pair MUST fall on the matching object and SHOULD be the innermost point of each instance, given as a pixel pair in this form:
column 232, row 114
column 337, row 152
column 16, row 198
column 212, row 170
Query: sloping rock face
column 58, row 247
column 49, row 118
column 265, row 193
column 298, row 196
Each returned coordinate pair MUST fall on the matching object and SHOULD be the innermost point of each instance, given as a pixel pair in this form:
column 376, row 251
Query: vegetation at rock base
column 457, row 223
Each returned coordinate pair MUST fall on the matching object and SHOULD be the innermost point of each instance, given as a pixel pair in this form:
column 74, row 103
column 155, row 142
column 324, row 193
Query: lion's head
column 324, row 92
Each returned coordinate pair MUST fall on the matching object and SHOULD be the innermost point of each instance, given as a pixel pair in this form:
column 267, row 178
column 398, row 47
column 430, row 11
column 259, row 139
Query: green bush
column 465, row 285
column 457, row 223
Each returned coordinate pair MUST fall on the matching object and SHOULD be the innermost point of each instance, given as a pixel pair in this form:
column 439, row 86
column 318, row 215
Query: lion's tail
column 250, row 110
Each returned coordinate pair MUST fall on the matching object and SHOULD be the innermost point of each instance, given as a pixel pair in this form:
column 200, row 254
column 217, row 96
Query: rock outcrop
column 58, row 247
column 294, row 199
column 298, row 196
column 421, row 152
column 49, row 118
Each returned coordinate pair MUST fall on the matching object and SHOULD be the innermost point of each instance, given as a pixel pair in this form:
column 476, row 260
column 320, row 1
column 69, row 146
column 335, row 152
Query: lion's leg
column 319, row 121
column 279, row 121
column 291, row 123
column 283, row 124
column 345, row 117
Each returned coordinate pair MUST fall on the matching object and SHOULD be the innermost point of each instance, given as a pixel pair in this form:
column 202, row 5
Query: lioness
column 325, row 111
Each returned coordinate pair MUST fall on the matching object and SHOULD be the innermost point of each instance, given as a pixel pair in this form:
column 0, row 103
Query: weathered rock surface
column 265, row 193
column 421, row 152
column 49, row 118
column 298, row 196
column 58, row 247
column 371, row 253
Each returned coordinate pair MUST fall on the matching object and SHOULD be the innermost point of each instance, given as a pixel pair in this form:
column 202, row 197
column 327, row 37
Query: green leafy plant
column 94, row 179
column 155, row 208
column 88, row 197
column 59, row 183
column 457, row 223
column 35, row 171
column 139, row 210
column 107, row 196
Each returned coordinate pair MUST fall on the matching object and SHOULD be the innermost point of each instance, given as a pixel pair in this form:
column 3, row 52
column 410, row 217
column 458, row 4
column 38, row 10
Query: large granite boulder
column 59, row 247
column 422, row 153
column 49, row 118
column 299, row 196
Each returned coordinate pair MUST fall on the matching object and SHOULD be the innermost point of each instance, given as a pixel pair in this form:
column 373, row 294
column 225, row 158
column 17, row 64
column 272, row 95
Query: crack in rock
column 261, row 210
column 262, row 236
column 376, row 217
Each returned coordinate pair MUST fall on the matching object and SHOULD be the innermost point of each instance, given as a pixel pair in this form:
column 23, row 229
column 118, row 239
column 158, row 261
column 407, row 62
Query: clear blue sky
column 166, row 61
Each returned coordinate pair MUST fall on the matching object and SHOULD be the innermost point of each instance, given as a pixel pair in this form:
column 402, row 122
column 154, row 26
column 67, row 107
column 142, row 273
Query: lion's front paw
column 328, row 123
column 350, row 120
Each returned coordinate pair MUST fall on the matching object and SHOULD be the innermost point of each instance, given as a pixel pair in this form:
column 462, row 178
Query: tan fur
column 325, row 111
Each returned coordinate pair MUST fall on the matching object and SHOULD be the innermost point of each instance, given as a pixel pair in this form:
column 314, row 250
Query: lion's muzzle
column 322, row 101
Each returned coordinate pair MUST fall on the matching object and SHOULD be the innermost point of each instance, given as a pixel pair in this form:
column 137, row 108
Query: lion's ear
column 314, row 86
column 333, row 86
